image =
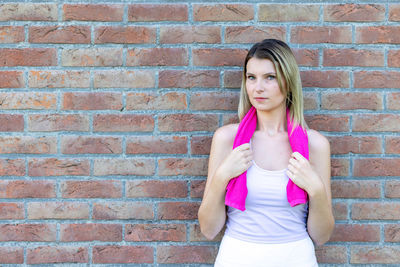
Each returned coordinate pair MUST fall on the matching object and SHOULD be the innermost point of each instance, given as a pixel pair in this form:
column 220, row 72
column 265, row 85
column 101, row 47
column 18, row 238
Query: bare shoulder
column 225, row 135
column 318, row 144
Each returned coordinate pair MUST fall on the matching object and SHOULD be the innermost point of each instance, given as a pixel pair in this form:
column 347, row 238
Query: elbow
column 324, row 238
column 207, row 231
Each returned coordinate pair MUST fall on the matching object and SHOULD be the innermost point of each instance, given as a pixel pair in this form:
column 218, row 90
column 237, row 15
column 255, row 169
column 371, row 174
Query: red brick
column 58, row 210
column 378, row 35
column 11, row 79
column 9, row 255
column 124, row 79
column 375, row 211
column 310, row 100
column 156, row 101
column 93, row 12
column 28, row 145
column 331, row 254
column 218, row 57
column 186, row 254
column 28, row 11
column 156, row 145
column 190, row 34
column 62, row 79
column 251, row 34
column 91, row 145
column 28, row 100
column 375, row 254
column 200, row 145
column 92, row 57
column 392, row 233
column 392, row 189
column 223, row 12
column 11, row 123
column 355, row 233
column 157, row 12
column 306, row 57
column 182, row 166
column 376, row 79
column 195, row 235
column 125, row 35
column 214, row 101
column 340, row 211
column 28, row 57
column 376, row 122
column 60, row 34
column 122, row 166
column 155, row 232
column 354, row 12
column 320, row 34
column 232, row 79
column 123, row 123
column 340, row 167
column 325, row 79
column 355, row 189
column 394, row 12
column 12, row 167
column 353, row 144
column 122, row 254
column 27, row 189
column 157, row 57
column 90, row 232
column 28, row 232
column 58, row 167
column 57, row 254
column 394, row 58
column 393, row 101
column 376, row 167
column 11, row 34
column 279, row 13
column 11, row 211
column 157, row 189
column 178, row 210
column 335, row 123
column 188, row 79
column 58, row 122
column 187, row 122
column 353, row 57
column 229, row 119
column 392, row 145
column 91, row 189
column 197, row 188
column 123, row 211
column 92, row 101
column 350, row 101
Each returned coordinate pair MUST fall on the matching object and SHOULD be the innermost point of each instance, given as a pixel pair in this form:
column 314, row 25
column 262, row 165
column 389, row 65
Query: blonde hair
column 287, row 73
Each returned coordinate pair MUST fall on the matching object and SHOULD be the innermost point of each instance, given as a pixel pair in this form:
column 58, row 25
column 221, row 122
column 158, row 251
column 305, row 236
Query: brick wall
column 107, row 112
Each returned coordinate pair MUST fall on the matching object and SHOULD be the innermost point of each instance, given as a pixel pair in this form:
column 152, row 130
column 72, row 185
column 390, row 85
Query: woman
column 269, row 232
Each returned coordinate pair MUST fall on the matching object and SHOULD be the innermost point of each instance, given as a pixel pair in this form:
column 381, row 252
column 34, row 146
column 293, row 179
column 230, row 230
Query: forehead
column 260, row 66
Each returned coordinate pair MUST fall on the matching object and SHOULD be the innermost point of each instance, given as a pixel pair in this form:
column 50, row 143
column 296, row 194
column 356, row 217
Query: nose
column 259, row 86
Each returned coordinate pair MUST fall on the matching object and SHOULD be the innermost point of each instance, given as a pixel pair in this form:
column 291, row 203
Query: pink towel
column 237, row 188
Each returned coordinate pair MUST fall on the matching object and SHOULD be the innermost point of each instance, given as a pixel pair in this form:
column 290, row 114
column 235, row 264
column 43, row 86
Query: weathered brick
column 223, row 12
column 27, row 189
column 28, row 57
column 355, row 233
column 197, row 188
column 310, row 100
column 12, row 167
column 378, row 34
column 92, row 101
column 375, row 254
column 91, row 189
column 122, row 254
column 57, row 210
column 60, row 34
column 214, row 101
column 233, row 79
column 123, row 211
column 393, row 101
column 11, row 34
column 331, row 254
column 58, row 122
column 123, row 123
column 93, row 12
column 155, row 232
column 285, row 12
column 10, row 255
column 354, row 12
column 200, row 145
column 325, row 79
column 353, row 57
column 355, row 189
column 340, row 211
column 62, row 79
column 158, row 12
column 157, row 57
column 394, row 58
column 376, row 122
column 187, row 122
column 124, row 79
column 376, row 167
column 58, row 167
column 182, row 166
column 178, row 210
column 336, row 123
column 252, row 34
column 156, row 145
column 11, row 211
column 28, row 145
column 195, row 234
column 218, row 57
column 320, row 34
column 125, row 35
column 11, row 123
column 188, row 79
column 121, row 166
column 354, row 144
column 28, row 232
column 92, row 57
column 392, row 145
column 28, row 100
column 392, row 233
column 306, row 57
column 376, row 79
column 229, row 119
column 156, row 101
column 190, row 34
column 394, row 12
column 157, row 189
column 356, row 100
column 90, row 232
column 375, row 211
column 392, row 189
column 186, row 254
column 57, row 254
column 340, row 167
column 28, row 11
column 11, row 79
column 91, row 145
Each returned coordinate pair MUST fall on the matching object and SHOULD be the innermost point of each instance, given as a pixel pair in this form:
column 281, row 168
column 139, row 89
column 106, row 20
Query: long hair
column 287, row 73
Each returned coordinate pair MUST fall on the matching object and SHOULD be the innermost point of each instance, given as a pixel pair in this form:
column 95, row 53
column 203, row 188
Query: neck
column 272, row 122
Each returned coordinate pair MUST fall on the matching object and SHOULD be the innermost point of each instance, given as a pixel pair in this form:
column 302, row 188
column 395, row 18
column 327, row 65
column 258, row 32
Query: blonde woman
column 270, row 231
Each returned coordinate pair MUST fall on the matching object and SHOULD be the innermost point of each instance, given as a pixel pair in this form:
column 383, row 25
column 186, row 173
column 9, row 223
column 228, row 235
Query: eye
column 271, row 77
column 250, row 77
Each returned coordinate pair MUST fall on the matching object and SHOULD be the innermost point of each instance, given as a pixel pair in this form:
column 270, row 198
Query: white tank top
column 268, row 217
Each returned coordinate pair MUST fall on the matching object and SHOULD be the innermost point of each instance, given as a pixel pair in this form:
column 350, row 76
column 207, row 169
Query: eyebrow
column 249, row 73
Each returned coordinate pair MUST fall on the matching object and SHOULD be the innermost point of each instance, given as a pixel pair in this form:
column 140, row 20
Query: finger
column 297, row 156
column 290, row 174
column 294, row 162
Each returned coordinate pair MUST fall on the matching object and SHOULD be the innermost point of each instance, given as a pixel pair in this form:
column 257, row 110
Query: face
column 262, row 85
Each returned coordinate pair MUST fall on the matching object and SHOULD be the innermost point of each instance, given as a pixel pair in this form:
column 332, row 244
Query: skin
column 224, row 163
